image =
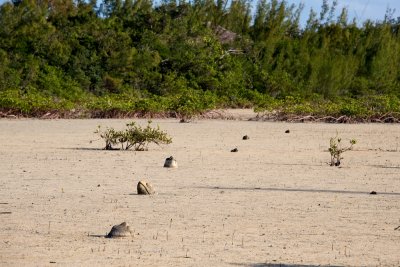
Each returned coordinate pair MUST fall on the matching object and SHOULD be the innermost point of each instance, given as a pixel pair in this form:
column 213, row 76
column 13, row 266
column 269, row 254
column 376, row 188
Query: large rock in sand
column 145, row 188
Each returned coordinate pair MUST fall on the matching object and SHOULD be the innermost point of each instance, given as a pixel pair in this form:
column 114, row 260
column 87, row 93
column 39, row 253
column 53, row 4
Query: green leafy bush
column 32, row 102
column 110, row 136
column 134, row 136
column 192, row 102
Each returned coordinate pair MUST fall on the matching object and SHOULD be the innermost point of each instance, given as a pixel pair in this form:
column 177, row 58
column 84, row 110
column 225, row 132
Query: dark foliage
column 187, row 57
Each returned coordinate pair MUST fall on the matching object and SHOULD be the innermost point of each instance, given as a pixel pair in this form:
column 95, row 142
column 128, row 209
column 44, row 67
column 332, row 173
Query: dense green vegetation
column 125, row 57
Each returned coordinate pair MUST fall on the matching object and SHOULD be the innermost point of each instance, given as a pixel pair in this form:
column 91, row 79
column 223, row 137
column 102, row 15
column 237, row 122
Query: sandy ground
column 276, row 202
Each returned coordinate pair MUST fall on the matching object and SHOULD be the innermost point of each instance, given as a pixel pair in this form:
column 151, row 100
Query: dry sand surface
column 275, row 202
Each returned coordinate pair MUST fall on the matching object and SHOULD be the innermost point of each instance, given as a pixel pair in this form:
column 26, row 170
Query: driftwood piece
column 391, row 117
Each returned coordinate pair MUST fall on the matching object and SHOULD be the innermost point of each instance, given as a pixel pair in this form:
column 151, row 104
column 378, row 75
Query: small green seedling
column 336, row 149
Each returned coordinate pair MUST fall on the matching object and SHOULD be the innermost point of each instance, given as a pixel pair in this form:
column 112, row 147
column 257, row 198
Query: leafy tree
column 78, row 51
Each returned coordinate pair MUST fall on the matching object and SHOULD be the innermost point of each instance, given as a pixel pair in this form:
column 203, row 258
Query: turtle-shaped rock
column 145, row 188
column 235, row 150
column 120, row 230
column 246, row 137
column 170, row 163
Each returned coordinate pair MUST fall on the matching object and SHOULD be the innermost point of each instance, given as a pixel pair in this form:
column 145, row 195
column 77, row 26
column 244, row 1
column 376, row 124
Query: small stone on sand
column 170, row 163
column 120, row 230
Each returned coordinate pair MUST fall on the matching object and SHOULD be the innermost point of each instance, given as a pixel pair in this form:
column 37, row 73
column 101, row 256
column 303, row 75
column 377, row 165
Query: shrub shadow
column 93, row 149
column 82, row 148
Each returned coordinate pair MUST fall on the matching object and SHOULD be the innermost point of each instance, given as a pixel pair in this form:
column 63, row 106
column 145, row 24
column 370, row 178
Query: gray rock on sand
column 120, row 230
column 145, row 188
column 170, row 163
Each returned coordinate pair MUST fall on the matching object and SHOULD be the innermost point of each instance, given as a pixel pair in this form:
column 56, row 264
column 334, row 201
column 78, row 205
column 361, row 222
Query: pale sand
column 276, row 201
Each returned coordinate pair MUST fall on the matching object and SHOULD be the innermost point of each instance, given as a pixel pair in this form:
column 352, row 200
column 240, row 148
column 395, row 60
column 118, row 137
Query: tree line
column 215, row 52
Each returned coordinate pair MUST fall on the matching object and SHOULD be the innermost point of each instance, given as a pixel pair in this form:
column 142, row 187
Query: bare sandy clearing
column 275, row 201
